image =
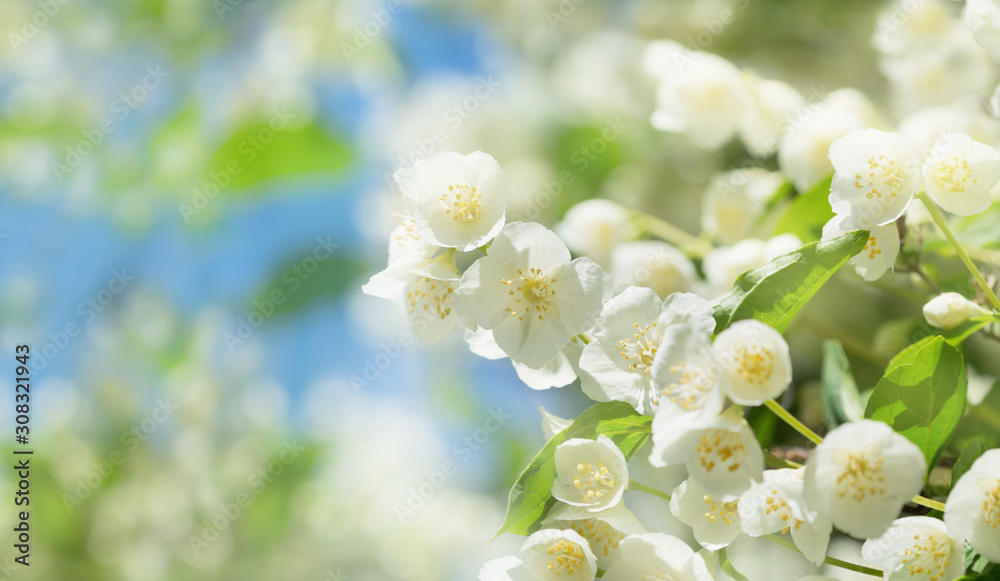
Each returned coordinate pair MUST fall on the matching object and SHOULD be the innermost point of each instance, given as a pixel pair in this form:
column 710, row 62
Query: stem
column 931, row 504
column 792, row 421
column 943, row 225
column 772, row 461
column 633, row 485
column 661, row 228
column 779, row 540
column 585, row 338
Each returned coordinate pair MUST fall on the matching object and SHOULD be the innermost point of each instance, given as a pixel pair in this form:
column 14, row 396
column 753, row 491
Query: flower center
column 953, row 175
column 860, row 477
column 599, row 533
column 775, row 503
column 883, row 178
column 409, row 233
column 928, row 555
column 533, row 291
column 691, row 384
column 462, row 202
column 567, row 557
column 991, row 506
column 872, row 247
column 724, row 511
column 755, row 364
column 641, row 348
column 593, row 481
column 722, row 448
column 430, row 292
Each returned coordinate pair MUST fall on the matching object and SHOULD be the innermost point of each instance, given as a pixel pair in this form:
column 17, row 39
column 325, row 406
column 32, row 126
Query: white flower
column 715, row 523
column 686, row 375
column 653, row 264
column 700, row 95
column 735, row 200
column 972, row 512
column 876, row 175
column 906, row 26
column 721, row 453
column 949, row 310
column 530, row 295
column 592, row 474
column 559, row 371
column 861, row 475
column 959, row 174
column 983, row 18
column 604, row 530
column 456, row 200
column 880, row 252
column 552, row 424
column 652, row 556
column 594, row 227
column 804, row 152
column 724, row 264
column 916, row 548
column 547, row 555
column 755, row 360
column 617, row 364
column 776, row 505
column 770, row 106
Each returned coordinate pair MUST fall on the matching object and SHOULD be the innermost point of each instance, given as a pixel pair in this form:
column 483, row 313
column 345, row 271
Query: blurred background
column 192, row 194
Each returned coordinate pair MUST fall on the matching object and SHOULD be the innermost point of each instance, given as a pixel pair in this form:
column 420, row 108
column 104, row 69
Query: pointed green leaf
column 775, row 292
column 972, row 451
column 808, row 213
column 922, row 394
column 841, row 401
column 531, row 497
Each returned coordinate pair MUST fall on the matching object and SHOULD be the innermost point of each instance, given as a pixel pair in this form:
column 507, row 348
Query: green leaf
column 808, row 213
column 960, row 333
column 922, row 394
column 259, row 153
column 295, row 287
column 841, row 401
column 775, row 292
column 728, row 568
column 972, row 451
column 531, row 496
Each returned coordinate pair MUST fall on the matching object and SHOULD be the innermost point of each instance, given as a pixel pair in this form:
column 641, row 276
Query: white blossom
column 559, row 371
column 617, row 364
column 770, row 106
column 653, row 264
column 776, row 504
column 594, row 227
column 547, row 555
column 652, row 556
column 803, row 155
column 724, row 264
column 972, row 512
column 604, row 530
column 959, row 174
column 876, row 175
column 456, row 200
column 949, row 310
column 592, row 474
column 755, row 360
column 983, row 18
column 880, row 251
column 715, row 523
column 735, row 200
column 552, row 424
column 687, row 376
column 916, row 548
column 861, row 475
column 528, row 292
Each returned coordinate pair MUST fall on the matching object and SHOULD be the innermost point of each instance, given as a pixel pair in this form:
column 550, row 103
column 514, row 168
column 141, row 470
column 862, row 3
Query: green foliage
column 775, row 292
column 728, row 568
column 531, row 496
column 841, row 400
column 808, row 213
column 962, row 332
column 299, row 289
column 922, row 395
column 972, row 451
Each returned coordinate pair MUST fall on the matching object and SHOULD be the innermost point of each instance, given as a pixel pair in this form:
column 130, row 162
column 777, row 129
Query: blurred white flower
column 905, row 26
column 547, row 555
column 456, row 200
column 617, row 364
column 880, row 252
column 715, row 523
column 770, row 106
column 604, row 530
column 653, row 264
column 949, row 310
column 922, row 129
column 972, row 512
column 657, row 556
column 592, row 474
column 959, row 174
column 876, row 175
column 723, row 265
column 861, row 475
column 594, row 227
column 755, row 360
column 916, row 548
column 528, row 292
column 803, row 155
column 776, row 504
column 735, row 200
column 983, row 18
